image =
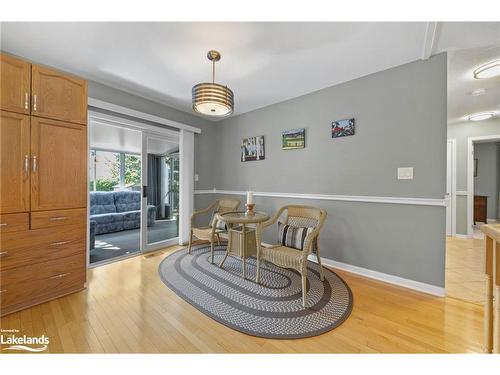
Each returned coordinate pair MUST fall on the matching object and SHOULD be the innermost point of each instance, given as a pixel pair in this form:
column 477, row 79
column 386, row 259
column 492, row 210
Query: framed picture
column 293, row 138
column 253, row 148
column 475, row 167
column 343, row 128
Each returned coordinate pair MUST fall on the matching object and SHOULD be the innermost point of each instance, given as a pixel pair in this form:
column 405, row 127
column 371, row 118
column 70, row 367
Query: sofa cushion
column 127, row 201
column 131, row 219
column 107, row 218
column 102, row 202
column 107, row 223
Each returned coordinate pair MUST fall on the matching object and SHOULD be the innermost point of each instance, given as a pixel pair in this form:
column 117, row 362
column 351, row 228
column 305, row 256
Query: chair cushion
column 102, row 202
column 127, row 201
column 291, row 236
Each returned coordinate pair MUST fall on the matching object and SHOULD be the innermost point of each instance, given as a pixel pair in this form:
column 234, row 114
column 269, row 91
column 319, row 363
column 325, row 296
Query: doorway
column 134, row 182
column 482, row 182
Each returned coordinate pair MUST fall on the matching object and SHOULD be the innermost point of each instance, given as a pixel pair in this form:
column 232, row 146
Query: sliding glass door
column 160, row 192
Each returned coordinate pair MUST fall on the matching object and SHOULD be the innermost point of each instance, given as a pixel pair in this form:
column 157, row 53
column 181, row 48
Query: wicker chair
column 210, row 232
column 286, row 257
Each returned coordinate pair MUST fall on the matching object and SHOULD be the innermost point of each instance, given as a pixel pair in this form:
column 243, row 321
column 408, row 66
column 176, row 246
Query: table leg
column 228, row 248
column 258, row 228
column 243, row 252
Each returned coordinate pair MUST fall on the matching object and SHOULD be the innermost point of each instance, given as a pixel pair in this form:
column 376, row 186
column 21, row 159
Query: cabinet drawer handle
column 3, row 224
column 3, row 291
column 60, row 243
column 59, row 276
column 26, row 103
column 4, row 253
column 34, row 102
column 58, row 218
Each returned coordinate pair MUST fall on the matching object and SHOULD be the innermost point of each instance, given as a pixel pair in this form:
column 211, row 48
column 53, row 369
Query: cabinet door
column 58, row 96
column 14, row 162
column 58, row 165
column 15, row 84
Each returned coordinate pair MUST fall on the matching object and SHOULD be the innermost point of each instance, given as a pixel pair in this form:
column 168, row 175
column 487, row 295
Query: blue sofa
column 114, row 211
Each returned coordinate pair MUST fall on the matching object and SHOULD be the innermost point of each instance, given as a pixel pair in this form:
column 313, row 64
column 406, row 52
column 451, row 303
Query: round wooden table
column 243, row 241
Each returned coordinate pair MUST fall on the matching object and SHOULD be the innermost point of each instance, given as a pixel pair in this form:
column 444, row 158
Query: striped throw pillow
column 294, row 237
column 220, row 224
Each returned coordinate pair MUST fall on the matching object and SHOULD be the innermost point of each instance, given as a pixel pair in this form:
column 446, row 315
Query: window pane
column 132, row 172
column 107, row 170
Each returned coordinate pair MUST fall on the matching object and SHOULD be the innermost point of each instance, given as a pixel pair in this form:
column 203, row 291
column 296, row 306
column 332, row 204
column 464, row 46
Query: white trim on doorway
column 140, row 115
column 470, row 177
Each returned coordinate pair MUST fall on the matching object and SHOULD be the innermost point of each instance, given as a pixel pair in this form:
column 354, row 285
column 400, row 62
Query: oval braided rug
column 272, row 309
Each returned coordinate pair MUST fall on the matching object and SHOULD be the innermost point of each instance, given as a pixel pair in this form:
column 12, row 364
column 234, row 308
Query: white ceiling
column 263, row 63
column 114, row 138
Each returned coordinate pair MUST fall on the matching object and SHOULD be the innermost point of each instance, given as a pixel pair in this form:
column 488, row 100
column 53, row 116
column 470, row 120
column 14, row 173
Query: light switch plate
column 405, row 173
column 196, row 177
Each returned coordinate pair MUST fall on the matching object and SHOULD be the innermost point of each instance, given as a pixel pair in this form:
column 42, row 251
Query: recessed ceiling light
column 488, row 70
column 478, row 92
column 481, row 116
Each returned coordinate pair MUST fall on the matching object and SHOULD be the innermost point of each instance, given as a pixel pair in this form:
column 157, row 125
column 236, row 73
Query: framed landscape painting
column 253, row 148
column 293, row 138
column 343, row 128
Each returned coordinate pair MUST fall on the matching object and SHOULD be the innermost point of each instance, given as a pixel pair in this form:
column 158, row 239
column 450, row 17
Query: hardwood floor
column 127, row 309
column 465, row 269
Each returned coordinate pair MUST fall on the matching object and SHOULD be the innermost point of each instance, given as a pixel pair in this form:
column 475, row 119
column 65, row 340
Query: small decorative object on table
column 250, row 205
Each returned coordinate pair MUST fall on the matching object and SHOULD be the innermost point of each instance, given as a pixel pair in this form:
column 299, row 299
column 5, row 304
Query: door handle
column 34, row 165
column 26, row 102
column 4, row 253
column 26, row 163
column 34, row 102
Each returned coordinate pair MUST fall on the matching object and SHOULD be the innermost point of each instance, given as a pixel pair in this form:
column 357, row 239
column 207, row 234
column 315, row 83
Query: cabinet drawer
column 56, row 218
column 14, row 222
column 41, row 245
column 43, row 272
column 30, row 285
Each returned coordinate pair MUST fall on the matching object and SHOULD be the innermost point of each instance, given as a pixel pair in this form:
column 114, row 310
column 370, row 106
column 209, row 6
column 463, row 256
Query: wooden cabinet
column 15, row 77
column 480, row 207
column 58, row 96
column 59, row 165
column 43, row 184
column 14, row 158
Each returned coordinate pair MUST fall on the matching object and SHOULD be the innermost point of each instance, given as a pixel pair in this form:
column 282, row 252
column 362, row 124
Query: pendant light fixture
column 488, row 70
column 212, row 99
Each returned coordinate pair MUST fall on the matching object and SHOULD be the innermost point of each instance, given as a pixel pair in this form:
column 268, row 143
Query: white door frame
column 470, row 177
column 452, row 199
column 145, row 246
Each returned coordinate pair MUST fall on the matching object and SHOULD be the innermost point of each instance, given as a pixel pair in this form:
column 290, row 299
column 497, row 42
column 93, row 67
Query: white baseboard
column 464, row 236
column 491, row 221
column 391, row 279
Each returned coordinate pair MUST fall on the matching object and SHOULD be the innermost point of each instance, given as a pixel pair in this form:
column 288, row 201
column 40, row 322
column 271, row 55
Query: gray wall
column 486, row 181
column 461, row 132
column 400, row 121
